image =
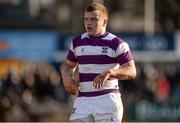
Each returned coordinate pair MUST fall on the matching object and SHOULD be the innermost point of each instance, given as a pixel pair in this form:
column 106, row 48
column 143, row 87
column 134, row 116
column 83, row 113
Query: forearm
column 123, row 73
column 66, row 71
column 69, row 84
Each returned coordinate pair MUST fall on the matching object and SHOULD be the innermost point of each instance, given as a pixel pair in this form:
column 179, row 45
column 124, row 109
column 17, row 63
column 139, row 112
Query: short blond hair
column 97, row 6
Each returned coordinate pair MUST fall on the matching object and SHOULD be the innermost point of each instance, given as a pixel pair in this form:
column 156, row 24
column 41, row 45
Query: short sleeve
column 71, row 53
column 123, row 53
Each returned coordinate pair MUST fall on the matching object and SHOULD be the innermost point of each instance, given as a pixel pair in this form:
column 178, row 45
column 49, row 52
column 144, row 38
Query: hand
column 71, row 86
column 74, row 88
column 101, row 78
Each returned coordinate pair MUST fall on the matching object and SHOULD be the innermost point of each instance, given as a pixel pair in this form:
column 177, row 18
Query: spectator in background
column 163, row 88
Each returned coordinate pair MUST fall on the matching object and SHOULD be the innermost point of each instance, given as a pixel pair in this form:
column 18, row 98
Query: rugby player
column 102, row 59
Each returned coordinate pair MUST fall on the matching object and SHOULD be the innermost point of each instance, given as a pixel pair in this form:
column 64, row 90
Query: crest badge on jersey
column 82, row 50
column 104, row 50
column 73, row 110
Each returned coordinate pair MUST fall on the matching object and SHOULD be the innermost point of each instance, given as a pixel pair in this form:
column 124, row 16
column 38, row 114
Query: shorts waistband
column 97, row 93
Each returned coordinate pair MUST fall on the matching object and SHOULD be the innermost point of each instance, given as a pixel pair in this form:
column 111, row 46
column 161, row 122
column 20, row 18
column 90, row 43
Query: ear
column 105, row 22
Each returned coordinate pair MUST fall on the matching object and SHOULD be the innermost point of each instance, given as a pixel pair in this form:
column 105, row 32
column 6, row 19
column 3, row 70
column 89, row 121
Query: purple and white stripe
column 96, row 55
column 108, row 84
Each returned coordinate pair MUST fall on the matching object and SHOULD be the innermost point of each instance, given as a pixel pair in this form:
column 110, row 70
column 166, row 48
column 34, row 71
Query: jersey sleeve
column 71, row 53
column 123, row 53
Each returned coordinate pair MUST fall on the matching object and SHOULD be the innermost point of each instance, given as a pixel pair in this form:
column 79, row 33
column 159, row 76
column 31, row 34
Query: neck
column 99, row 34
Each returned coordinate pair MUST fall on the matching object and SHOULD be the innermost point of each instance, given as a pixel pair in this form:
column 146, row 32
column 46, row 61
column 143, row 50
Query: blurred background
column 34, row 40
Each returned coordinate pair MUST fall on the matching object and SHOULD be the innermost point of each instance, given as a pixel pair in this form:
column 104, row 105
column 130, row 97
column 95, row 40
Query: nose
column 88, row 23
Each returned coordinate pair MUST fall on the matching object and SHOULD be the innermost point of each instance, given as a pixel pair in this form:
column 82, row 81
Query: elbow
column 133, row 74
column 131, row 77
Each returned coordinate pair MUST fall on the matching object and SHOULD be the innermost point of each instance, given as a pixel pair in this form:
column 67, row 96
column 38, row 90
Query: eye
column 94, row 19
column 85, row 19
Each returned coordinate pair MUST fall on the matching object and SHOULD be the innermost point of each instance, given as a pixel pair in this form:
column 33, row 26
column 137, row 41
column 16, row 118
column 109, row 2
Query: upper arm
column 71, row 64
column 122, row 51
column 130, row 65
column 67, row 68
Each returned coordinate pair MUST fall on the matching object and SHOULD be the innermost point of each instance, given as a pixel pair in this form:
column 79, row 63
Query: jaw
column 91, row 32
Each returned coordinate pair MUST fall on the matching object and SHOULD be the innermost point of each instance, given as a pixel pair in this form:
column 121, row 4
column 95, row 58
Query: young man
column 102, row 59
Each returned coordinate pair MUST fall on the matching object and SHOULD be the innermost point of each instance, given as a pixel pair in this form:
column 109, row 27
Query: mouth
column 89, row 28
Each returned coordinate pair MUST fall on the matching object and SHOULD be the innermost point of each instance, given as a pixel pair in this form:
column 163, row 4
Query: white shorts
column 104, row 108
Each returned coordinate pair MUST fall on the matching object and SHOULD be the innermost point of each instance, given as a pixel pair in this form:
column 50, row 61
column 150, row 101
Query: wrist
column 112, row 72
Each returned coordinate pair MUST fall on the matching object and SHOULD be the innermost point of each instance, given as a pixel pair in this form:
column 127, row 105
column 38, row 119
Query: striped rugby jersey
column 95, row 55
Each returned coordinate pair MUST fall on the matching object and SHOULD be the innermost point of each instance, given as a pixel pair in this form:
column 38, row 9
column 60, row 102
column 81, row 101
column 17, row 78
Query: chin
column 89, row 33
column 92, row 34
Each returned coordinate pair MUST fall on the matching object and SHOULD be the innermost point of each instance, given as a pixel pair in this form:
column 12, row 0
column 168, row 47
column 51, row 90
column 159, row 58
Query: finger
column 100, row 84
column 70, row 89
column 97, row 82
column 72, row 92
column 74, row 89
column 94, row 83
column 97, row 86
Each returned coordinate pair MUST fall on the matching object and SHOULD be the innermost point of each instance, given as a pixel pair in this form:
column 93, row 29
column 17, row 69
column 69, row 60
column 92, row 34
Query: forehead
column 96, row 13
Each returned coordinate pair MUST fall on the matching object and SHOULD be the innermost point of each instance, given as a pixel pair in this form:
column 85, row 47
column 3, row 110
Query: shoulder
column 78, row 39
column 115, row 40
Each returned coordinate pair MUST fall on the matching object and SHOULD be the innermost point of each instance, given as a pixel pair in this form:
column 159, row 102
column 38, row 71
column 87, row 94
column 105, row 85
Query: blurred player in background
column 102, row 59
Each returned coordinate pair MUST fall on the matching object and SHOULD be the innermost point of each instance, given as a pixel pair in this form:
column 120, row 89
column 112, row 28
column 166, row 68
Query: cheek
column 94, row 23
column 100, row 25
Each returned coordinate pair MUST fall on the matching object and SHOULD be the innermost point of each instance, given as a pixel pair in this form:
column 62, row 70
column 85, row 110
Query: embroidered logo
column 105, row 49
column 73, row 110
column 82, row 50
column 112, row 119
